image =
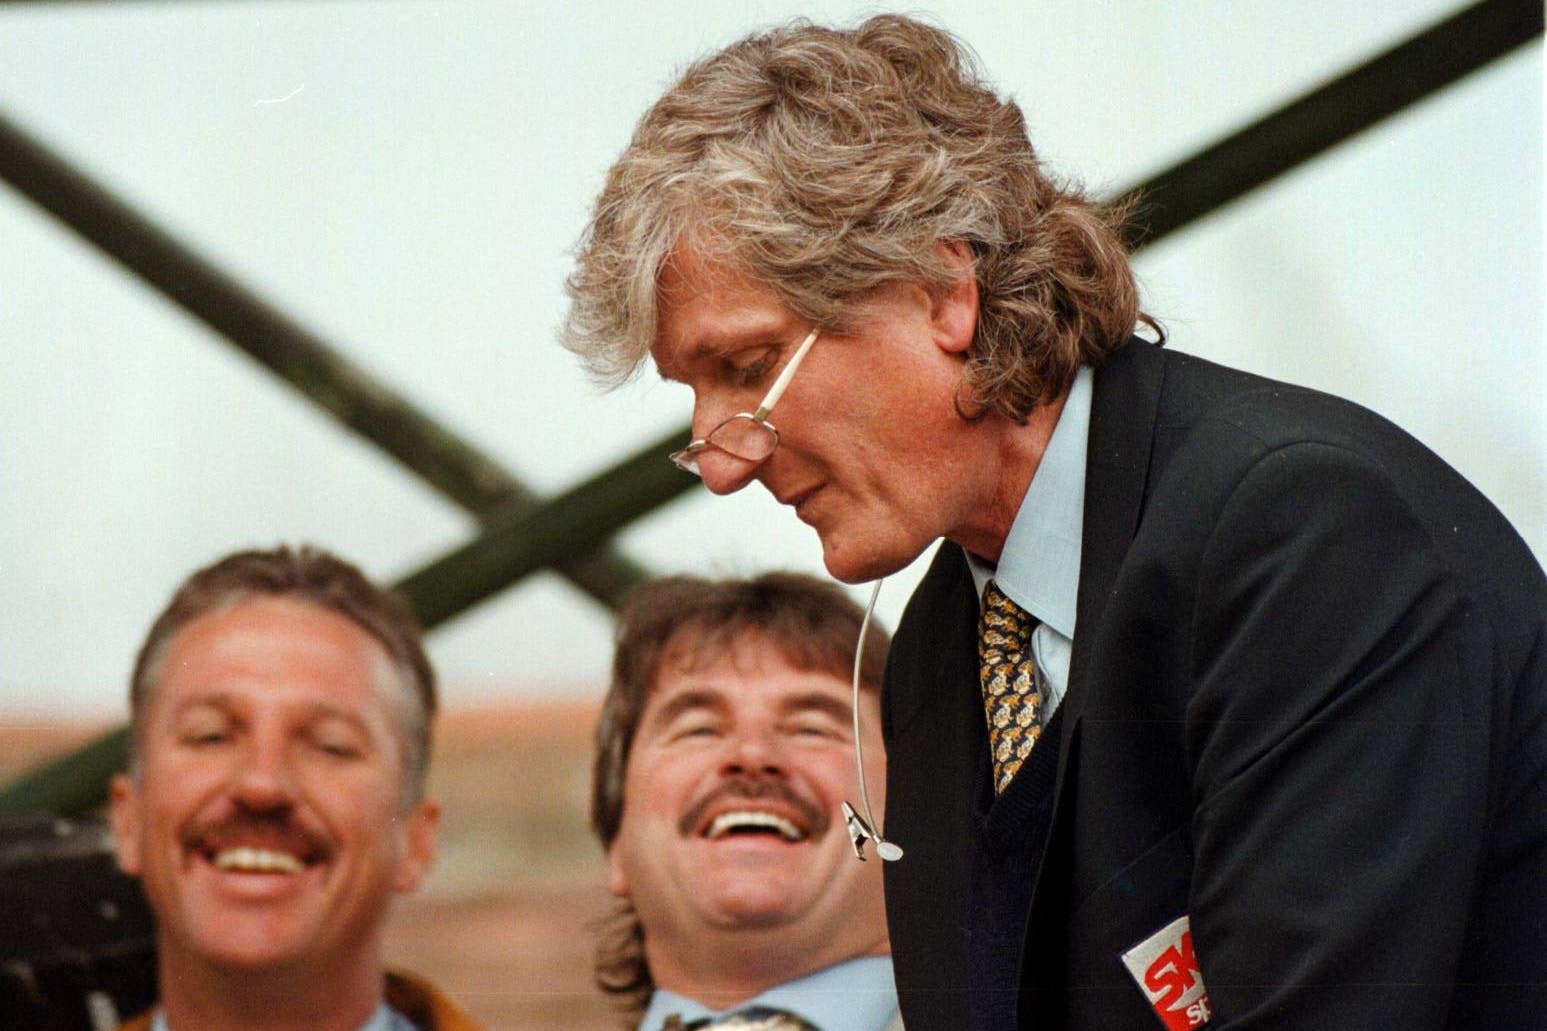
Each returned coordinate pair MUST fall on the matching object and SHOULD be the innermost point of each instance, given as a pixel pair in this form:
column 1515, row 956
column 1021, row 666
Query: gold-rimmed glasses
column 748, row 436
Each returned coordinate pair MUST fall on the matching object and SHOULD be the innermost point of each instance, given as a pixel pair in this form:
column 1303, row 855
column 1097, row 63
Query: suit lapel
column 936, row 737
column 1122, row 431
column 1124, row 405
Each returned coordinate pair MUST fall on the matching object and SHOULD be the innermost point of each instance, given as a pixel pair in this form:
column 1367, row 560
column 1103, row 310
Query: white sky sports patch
column 1167, row 972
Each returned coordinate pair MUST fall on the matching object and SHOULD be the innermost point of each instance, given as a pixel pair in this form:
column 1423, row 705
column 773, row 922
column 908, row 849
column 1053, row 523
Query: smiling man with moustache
column 724, row 752
column 280, row 716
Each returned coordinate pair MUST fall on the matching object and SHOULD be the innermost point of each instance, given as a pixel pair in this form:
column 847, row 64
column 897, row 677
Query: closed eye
column 819, row 728
column 337, row 738
column 819, row 716
column 696, row 729
column 748, row 373
column 203, row 727
column 694, row 713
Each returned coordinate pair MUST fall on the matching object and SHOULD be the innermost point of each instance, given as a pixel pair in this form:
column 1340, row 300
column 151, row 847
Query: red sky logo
column 1166, row 969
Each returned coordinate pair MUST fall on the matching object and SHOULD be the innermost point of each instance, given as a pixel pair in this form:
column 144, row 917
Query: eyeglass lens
column 740, row 436
column 746, row 438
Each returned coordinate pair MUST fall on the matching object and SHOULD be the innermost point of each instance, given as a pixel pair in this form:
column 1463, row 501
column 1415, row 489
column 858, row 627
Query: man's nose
column 754, row 752
column 724, row 473
column 265, row 778
column 721, row 471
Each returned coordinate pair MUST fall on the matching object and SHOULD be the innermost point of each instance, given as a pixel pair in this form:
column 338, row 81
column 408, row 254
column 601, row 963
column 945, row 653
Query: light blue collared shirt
column 855, row 995
column 384, row 1019
column 1039, row 565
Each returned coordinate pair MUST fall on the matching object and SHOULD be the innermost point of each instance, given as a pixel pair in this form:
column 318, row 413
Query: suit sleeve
column 1337, row 748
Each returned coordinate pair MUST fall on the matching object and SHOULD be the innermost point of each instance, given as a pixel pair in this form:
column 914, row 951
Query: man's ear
column 123, row 808
column 954, row 309
column 421, row 832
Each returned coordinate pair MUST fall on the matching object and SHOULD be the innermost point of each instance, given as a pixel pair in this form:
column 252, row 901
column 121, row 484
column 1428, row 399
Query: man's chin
column 859, row 562
column 754, row 913
column 248, row 951
column 761, row 894
column 256, row 940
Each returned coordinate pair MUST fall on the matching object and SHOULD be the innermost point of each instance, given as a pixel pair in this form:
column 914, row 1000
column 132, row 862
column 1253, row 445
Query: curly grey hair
column 826, row 163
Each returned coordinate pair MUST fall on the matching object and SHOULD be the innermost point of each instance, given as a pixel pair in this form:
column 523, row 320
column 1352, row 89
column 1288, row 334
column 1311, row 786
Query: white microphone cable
column 863, row 828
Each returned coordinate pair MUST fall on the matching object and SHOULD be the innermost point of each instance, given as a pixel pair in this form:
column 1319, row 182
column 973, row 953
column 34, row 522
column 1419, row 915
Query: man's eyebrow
column 687, row 701
column 221, row 700
column 719, row 341
column 227, row 702
column 319, row 711
column 707, row 348
column 826, row 704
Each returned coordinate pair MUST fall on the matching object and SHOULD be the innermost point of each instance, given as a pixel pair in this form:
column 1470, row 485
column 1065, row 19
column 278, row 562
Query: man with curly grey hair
column 1225, row 702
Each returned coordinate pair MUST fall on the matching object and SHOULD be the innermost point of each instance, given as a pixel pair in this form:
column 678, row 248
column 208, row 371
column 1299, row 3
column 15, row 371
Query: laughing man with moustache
column 724, row 752
column 280, row 715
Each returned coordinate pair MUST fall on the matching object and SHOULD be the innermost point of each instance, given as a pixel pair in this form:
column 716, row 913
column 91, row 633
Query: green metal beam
column 1306, row 127
column 365, row 404
column 74, row 783
column 529, row 539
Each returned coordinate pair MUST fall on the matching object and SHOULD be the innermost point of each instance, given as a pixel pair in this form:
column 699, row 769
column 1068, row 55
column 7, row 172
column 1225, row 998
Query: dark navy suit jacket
column 1307, row 711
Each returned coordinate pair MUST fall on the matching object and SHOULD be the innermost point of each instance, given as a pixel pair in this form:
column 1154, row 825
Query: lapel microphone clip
column 860, row 832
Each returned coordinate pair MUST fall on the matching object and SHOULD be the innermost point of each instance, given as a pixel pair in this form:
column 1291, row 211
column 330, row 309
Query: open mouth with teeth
column 248, row 849
column 257, row 860
column 749, row 822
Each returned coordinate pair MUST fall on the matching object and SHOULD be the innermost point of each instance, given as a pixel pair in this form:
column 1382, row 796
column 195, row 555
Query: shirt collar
column 1039, row 565
column 384, row 1019
column 857, row 993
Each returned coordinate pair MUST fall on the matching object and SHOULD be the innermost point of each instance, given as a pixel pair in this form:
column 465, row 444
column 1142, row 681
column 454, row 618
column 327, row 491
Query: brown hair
column 811, row 622
column 826, row 163
column 315, row 576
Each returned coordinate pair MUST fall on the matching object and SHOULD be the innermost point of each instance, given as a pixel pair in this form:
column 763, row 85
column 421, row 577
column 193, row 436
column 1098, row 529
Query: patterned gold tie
column 1012, row 685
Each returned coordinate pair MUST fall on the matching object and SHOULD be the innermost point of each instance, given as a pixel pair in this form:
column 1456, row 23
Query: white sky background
column 408, row 178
